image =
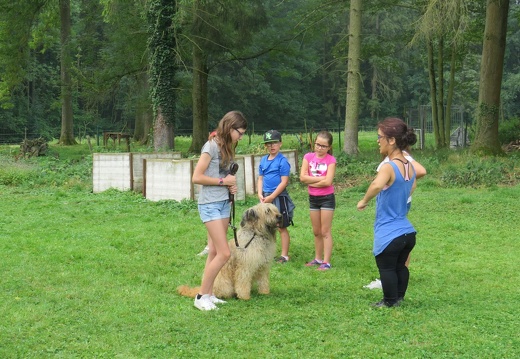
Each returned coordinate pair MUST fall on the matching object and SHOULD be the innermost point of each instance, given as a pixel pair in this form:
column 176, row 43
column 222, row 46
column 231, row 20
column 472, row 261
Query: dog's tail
column 186, row 291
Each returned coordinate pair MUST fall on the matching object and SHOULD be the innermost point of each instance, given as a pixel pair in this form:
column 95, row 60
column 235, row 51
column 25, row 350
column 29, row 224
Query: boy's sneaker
column 314, row 262
column 324, row 266
column 204, row 303
column 282, row 259
column 216, row 300
column 204, row 252
column 375, row 284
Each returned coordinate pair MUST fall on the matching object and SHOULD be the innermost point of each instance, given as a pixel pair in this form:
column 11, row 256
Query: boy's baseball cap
column 272, row 136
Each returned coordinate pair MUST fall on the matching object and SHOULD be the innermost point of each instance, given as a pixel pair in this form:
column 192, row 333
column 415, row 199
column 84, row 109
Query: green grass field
column 94, row 275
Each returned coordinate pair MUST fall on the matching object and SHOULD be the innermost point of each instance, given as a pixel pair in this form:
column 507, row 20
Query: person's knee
column 225, row 255
column 326, row 235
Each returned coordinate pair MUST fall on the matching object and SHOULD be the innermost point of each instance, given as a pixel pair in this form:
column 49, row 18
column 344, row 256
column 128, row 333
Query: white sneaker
column 216, row 300
column 204, row 252
column 376, row 284
column 204, row 303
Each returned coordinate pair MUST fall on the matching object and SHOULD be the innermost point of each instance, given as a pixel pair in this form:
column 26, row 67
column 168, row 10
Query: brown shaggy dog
column 247, row 264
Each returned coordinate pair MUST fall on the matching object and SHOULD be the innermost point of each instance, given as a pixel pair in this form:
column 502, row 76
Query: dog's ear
column 249, row 215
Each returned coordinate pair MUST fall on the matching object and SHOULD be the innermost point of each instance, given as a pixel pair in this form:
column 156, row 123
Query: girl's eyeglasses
column 240, row 134
column 319, row 145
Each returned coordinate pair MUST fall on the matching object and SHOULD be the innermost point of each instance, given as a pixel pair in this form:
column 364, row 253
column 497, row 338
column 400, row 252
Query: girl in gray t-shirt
column 212, row 172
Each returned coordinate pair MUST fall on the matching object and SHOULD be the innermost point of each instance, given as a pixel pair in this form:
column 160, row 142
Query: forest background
column 283, row 63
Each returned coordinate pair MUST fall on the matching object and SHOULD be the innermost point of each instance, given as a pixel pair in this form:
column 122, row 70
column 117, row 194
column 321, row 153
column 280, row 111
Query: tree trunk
column 67, row 126
column 200, row 101
column 163, row 67
column 162, row 133
column 374, row 107
column 451, row 89
column 440, row 94
column 433, row 91
column 491, row 69
column 353, row 79
column 144, row 113
column 200, row 85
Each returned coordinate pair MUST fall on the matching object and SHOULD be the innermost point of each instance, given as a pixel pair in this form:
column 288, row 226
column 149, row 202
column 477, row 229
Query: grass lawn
column 94, row 275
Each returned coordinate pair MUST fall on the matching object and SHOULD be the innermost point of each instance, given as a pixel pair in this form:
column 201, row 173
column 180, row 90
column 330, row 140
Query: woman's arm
column 384, row 177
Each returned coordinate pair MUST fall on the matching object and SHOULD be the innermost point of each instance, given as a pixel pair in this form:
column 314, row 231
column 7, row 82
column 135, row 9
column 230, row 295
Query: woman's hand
column 362, row 205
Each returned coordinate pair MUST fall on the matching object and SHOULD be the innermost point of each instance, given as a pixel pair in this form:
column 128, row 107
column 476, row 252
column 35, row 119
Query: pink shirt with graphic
column 318, row 168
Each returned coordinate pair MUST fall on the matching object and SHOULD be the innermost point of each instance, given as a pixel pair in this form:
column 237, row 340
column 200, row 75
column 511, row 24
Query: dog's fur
column 247, row 265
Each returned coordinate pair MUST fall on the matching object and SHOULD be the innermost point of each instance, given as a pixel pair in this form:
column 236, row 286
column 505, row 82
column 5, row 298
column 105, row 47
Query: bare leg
column 218, row 254
column 326, row 233
column 286, row 239
column 316, row 229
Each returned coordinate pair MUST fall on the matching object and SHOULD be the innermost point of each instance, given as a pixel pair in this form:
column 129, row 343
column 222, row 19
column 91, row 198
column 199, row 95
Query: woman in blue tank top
column 394, row 235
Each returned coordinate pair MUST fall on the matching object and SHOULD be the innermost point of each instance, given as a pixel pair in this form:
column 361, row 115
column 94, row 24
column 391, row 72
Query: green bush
column 509, row 131
column 478, row 172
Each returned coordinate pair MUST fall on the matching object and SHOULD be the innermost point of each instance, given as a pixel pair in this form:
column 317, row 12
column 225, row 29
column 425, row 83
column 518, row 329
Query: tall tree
column 29, row 83
column 163, row 67
column 353, row 79
column 122, row 75
column 220, row 30
column 491, row 70
column 67, row 125
column 442, row 25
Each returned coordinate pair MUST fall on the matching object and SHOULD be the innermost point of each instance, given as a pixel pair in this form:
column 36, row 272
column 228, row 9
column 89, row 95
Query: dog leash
column 232, row 171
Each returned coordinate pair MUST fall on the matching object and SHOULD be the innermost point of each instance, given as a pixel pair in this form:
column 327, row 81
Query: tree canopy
column 287, row 71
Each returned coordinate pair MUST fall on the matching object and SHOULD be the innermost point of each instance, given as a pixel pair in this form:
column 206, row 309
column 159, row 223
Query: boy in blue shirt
column 273, row 178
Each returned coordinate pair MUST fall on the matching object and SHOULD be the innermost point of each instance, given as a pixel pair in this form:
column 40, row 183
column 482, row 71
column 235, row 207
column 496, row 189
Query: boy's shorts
column 286, row 207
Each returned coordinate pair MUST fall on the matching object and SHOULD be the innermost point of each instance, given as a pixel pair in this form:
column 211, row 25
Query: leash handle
column 233, row 169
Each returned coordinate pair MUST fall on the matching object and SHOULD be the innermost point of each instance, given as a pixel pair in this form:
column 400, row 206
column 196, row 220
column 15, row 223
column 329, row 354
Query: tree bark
column 441, row 143
column 433, row 91
column 163, row 67
column 451, row 90
column 144, row 112
column 491, row 70
column 162, row 132
column 67, row 125
column 353, row 79
column 200, row 100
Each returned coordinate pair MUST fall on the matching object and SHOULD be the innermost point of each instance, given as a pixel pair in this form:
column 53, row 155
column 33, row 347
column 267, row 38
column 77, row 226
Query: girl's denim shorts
column 214, row 210
column 327, row 202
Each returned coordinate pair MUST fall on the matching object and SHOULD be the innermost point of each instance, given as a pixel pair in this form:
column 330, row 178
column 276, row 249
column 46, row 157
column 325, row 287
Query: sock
column 319, row 261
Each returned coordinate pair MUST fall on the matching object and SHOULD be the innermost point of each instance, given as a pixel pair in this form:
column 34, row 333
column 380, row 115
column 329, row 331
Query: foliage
column 479, row 172
column 163, row 64
column 509, row 131
column 292, row 70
